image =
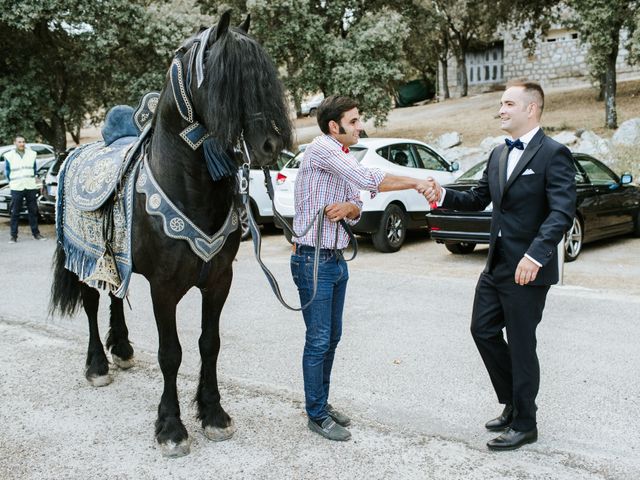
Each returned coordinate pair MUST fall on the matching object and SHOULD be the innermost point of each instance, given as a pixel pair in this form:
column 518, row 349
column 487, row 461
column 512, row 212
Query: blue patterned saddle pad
column 93, row 173
column 90, row 177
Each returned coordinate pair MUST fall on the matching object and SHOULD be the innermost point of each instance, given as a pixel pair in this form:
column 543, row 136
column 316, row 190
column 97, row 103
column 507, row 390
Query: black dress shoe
column 512, row 439
column 501, row 422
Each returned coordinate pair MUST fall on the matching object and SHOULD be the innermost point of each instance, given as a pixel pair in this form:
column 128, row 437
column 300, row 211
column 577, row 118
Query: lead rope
column 257, row 239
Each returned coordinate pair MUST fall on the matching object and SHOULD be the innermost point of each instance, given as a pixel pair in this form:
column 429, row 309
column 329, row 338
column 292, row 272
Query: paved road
column 406, row 370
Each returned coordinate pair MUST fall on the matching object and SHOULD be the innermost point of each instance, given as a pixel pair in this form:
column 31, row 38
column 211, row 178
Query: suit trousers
column 512, row 364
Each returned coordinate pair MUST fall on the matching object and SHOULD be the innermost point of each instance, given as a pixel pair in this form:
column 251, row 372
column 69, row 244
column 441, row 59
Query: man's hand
column 526, row 271
column 339, row 211
column 431, row 190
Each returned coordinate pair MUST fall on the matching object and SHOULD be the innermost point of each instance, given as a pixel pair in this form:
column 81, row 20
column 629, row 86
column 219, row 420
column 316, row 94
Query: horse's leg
column 217, row 424
column 118, row 338
column 97, row 367
column 170, row 432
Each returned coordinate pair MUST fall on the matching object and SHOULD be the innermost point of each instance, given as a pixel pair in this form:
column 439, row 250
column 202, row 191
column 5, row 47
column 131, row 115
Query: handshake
column 431, row 190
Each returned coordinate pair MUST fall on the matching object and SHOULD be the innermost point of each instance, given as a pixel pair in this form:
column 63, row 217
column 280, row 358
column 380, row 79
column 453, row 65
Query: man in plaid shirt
column 330, row 178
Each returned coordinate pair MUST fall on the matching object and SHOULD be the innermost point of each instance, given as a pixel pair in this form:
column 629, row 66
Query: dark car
column 5, row 193
column 49, row 190
column 608, row 205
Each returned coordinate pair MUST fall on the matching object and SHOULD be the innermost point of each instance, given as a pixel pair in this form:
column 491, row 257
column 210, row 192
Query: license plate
column 3, row 206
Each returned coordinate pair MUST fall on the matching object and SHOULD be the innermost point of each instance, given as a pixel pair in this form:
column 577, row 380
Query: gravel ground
column 406, row 371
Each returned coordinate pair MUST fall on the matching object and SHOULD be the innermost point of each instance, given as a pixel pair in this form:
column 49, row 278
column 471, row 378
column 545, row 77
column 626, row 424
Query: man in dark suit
column 531, row 182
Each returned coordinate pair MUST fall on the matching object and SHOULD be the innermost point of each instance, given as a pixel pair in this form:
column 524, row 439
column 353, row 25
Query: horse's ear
column 223, row 24
column 244, row 26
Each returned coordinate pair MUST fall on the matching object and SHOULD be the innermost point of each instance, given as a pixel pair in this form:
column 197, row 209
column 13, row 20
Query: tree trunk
column 445, row 78
column 54, row 132
column 75, row 133
column 602, row 82
column 463, row 83
column 610, row 90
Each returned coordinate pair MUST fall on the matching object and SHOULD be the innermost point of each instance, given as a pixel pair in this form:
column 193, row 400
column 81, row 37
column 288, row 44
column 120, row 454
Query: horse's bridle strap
column 195, row 133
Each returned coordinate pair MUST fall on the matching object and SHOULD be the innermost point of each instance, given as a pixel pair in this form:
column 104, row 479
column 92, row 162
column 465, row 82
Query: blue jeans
column 17, row 199
column 323, row 319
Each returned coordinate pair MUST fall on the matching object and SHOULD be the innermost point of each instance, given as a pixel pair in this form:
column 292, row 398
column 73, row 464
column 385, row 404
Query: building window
column 560, row 35
column 486, row 66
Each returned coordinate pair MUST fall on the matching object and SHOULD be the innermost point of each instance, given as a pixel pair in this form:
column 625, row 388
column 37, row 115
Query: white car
column 261, row 206
column 44, row 153
column 388, row 215
column 310, row 107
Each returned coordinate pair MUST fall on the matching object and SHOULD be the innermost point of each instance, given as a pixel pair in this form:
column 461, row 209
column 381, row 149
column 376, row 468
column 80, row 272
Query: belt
column 309, row 248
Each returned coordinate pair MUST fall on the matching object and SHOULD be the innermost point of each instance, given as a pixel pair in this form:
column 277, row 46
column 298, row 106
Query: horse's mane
column 243, row 89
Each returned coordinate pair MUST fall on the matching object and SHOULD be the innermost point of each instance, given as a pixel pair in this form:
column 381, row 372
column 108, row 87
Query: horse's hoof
column 99, row 380
column 218, row 434
column 174, row 450
column 123, row 364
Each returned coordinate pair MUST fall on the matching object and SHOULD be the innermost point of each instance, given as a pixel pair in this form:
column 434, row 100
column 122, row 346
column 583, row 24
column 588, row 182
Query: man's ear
column 334, row 127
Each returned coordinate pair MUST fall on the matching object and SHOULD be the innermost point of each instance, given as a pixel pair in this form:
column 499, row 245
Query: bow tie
column 514, row 144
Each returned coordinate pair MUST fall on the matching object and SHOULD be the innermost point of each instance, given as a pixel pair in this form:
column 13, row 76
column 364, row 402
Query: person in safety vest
column 20, row 169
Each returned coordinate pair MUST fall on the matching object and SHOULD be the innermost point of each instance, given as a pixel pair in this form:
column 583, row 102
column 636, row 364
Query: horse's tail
column 65, row 290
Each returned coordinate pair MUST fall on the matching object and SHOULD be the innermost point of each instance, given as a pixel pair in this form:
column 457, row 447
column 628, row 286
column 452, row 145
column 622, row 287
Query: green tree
column 471, row 23
column 288, row 29
column 428, row 41
column 600, row 23
column 63, row 60
column 367, row 63
column 352, row 47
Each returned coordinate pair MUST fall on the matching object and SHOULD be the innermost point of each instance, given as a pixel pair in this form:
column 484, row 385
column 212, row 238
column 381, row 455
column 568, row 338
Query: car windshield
column 474, row 173
column 358, row 152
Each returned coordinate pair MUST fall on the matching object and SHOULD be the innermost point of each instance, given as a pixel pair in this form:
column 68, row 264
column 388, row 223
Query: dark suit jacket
column 532, row 211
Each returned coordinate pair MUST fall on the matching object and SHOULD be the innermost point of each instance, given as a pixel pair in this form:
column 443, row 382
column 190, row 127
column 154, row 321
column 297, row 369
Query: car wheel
column 244, row 223
column 392, row 231
column 636, row 226
column 573, row 241
column 460, row 248
column 313, row 112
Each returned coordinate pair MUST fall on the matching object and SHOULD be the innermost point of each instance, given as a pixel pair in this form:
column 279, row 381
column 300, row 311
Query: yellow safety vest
column 22, row 169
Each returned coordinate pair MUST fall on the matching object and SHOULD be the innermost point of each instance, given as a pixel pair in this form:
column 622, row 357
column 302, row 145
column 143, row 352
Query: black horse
column 235, row 94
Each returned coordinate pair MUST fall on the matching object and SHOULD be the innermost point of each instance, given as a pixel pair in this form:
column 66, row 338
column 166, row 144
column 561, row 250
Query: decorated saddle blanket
column 94, row 212
column 95, row 170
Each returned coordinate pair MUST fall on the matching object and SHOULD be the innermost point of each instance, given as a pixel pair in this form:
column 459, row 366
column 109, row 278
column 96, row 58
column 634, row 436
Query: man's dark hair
column 332, row 108
column 19, row 136
column 532, row 88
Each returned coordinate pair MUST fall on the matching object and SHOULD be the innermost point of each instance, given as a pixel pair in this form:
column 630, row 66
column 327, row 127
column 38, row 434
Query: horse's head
column 236, row 91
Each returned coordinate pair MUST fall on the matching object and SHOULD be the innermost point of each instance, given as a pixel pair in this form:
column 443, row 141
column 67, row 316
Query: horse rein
column 257, row 239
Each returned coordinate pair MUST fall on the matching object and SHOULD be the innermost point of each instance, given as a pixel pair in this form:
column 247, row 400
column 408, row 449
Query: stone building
column 559, row 60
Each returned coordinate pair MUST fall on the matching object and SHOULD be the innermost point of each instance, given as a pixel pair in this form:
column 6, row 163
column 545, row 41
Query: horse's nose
column 270, row 146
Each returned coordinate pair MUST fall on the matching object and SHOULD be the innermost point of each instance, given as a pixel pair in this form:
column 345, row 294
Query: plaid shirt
column 329, row 175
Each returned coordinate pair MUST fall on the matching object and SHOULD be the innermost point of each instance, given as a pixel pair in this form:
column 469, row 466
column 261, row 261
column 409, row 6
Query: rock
column 566, row 138
column 592, row 144
column 490, row 142
column 628, row 134
column 448, row 140
column 467, row 157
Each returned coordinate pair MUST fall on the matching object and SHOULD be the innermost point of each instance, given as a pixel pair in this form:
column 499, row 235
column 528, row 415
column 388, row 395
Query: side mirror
column 455, row 166
column 626, row 178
